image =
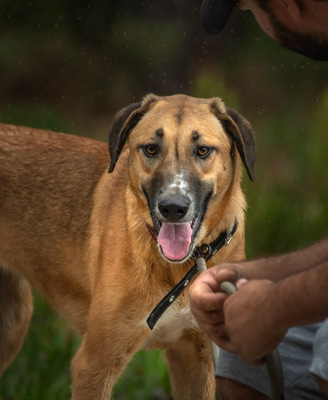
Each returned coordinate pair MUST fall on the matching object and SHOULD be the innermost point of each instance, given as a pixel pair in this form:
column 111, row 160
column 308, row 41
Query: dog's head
column 182, row 158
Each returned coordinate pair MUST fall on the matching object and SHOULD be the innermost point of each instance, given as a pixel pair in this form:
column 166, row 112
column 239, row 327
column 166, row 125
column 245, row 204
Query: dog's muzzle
column 175, row 227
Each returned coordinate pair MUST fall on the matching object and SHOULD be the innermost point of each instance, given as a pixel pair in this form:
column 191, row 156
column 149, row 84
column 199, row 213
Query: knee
column 324, row 387
column 233, row 390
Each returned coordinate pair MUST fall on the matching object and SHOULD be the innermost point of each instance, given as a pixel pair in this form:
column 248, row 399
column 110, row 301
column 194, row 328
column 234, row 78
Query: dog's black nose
column 174, row 208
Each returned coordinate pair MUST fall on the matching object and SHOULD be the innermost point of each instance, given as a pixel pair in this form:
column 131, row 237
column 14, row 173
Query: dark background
column 71, row 65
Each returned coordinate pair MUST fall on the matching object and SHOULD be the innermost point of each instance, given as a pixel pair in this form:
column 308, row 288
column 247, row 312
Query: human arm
column 260, row 313
column 279, row 267
column 266, row 298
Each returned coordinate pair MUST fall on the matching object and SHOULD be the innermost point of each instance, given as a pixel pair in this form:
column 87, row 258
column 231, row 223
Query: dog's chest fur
column 170, row 326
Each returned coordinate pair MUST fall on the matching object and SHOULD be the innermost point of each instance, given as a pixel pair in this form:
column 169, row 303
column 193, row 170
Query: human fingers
column 249, row 322
column 240, row 283
column 202, row 301
column 204, row 293
column 224, row 343
column 218, row 334
column 215, row 317
column 228, row 272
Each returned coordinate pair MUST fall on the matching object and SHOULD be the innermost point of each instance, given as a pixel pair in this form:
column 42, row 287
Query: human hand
column 206, row 300
column 252, row 323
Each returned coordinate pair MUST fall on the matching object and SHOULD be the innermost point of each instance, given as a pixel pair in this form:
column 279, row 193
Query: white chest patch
column 171, row 325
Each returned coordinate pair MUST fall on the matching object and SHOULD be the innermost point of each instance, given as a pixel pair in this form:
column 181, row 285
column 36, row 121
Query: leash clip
column 203, row 251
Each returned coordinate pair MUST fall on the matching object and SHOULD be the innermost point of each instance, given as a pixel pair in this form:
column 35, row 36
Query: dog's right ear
column 117, row 136
column 124, row 121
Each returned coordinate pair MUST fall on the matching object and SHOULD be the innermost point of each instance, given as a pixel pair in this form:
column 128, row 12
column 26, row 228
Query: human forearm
column 279, row 267
column 260, row 313
column 301, row 298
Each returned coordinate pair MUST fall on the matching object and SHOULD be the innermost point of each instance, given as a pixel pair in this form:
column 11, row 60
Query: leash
column 272, row 360
column 205, row 251
column 201, row 263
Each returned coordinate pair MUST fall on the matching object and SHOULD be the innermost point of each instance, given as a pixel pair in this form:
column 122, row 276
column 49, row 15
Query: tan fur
column 78, row 235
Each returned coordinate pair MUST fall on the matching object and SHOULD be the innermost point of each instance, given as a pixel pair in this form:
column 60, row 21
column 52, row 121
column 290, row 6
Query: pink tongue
column 175, row 240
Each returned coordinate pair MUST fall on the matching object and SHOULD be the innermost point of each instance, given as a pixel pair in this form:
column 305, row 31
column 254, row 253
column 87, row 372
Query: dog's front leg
column 108, row 346
column 191, row 368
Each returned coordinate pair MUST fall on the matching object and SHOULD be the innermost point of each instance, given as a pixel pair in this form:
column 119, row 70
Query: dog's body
column 79, row 235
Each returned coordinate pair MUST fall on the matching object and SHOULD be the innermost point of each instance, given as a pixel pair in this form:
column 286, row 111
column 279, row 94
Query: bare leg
column 233, row 390
column 324, row 387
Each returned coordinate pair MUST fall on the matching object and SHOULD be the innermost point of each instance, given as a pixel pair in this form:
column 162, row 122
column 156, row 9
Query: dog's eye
column 203, row 151
column 150, row 150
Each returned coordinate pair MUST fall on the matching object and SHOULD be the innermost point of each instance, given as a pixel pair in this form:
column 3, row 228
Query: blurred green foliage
column 42, row 369
column 69, row 66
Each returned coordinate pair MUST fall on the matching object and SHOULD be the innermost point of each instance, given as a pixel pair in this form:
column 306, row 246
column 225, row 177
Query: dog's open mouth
column 175, row 240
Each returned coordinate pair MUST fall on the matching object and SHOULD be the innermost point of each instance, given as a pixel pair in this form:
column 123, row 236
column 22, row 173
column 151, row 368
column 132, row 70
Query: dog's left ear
column 124, row 121
column 242, row 133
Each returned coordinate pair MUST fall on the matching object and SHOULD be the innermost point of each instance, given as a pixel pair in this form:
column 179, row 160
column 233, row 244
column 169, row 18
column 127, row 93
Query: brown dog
column 84, row 238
